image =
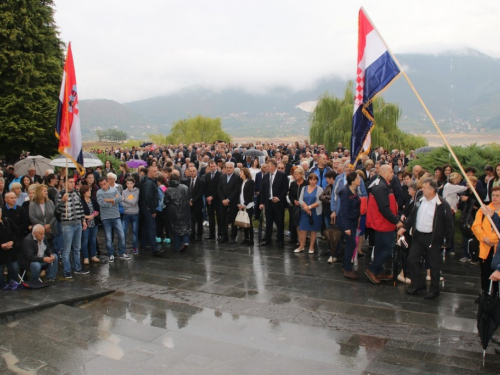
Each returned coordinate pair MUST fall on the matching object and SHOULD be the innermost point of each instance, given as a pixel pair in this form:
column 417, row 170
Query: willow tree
column 197, row 129
column 331, row 122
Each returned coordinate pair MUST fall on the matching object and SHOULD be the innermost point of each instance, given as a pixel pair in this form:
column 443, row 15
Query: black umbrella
column 399, row 258
column 253, row 153
column 488, row 316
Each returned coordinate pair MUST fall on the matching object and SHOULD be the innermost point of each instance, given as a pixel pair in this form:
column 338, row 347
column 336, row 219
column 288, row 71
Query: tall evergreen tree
column 31, row 63
column 331, row 122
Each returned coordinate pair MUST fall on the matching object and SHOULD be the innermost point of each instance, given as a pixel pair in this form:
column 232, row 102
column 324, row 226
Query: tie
column 213, row 175
column 192, row 184
column 228, row 178
column 271, row 179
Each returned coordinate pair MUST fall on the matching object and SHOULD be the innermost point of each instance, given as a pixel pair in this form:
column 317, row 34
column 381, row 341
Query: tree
column 31, row 63
column 331, row 122
column 100, row 134
column 197, row 129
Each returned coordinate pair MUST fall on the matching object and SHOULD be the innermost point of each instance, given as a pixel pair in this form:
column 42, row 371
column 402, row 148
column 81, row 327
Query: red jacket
column 382, row 208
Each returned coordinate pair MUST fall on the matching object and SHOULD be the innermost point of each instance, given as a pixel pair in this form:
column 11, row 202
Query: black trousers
column 292, row 227
column 214, row 218
column 275, row 213
column 227, row 216
column 486, row 272
column 420, row 246
column 196, row 222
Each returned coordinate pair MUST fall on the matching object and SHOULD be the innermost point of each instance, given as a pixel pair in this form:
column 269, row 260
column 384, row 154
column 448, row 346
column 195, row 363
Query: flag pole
column 471, row 187
column 66, row 187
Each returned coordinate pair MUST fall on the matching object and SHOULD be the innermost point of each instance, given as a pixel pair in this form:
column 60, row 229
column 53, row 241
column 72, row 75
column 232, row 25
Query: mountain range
column 460, row 88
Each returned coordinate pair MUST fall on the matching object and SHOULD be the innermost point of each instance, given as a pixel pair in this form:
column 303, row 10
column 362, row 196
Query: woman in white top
column 245, row 202
column 255, row 168
column 451, row 190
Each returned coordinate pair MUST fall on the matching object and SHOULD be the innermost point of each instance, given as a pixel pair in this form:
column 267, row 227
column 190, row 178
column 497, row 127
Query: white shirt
column 271, row 180
column 425, row 215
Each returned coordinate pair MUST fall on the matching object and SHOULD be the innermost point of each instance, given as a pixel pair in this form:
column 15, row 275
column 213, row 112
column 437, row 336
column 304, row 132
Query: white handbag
column 242, row 219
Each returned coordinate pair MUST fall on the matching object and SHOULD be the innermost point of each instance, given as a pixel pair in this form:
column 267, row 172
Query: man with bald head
column 36, row 253
column 382, row 218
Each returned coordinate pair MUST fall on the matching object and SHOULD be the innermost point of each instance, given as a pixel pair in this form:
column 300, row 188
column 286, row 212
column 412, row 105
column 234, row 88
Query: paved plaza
column 232, row 309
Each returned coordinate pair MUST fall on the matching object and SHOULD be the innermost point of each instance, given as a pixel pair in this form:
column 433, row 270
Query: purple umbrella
column 135, row 163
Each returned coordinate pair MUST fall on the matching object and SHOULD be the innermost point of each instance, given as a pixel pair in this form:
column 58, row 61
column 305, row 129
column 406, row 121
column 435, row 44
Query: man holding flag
column 375, row 71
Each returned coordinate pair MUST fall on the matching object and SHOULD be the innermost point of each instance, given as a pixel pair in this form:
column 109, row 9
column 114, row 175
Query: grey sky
column 129, row 50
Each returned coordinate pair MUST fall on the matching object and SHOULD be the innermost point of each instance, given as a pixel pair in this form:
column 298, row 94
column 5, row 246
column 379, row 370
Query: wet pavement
column 232, row 309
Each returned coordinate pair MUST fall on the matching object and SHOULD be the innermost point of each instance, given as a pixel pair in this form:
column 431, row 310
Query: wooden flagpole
column 434, row 123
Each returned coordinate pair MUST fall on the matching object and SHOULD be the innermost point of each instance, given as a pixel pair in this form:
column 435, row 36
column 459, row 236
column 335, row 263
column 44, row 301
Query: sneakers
column 135, row 251
column 82, row 272
column 124, row 257
column 166, row 240
column 464, row 260
column 332, row 260
column 67, row 275
column 158, row 239
column 111, row 259
column 451, row 253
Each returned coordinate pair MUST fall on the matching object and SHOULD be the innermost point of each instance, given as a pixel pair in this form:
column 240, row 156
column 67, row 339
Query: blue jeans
column 58, row 240
column 179, row 240
column 109, row 225
column 13, row 269
column 72, row 238
column 89, row 237
column 134, row 220
column 36, row 267
column 384, row 245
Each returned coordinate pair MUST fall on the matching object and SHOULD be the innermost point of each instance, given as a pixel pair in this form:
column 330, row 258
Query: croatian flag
column 376, row 70
column 68, row 121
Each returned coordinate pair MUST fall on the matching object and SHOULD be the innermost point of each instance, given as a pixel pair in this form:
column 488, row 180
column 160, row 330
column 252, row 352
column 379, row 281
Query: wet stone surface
column 231, row 309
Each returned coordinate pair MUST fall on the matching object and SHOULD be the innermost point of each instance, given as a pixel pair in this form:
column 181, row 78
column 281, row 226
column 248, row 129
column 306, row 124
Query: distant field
column 433, row 139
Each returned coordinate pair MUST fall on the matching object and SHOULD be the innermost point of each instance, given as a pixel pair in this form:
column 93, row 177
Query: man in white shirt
column 431, row 225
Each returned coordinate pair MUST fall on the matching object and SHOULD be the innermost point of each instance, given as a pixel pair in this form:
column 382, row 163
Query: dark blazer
column 442, row 227
column 212, row 185
column 258, row 181
column 280, row 188
column 197, row 192
column 229, row 190
column 29, row 251
column 248, row 191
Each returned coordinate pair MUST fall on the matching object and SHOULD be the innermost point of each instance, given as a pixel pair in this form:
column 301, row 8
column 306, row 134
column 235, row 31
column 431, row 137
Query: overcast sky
column 130, row 50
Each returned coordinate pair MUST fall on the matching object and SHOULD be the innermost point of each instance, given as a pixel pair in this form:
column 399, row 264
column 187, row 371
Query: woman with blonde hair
column 41, row 210
column 451, row 190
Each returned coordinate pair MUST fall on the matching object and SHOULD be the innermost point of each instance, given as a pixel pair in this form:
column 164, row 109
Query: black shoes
column 431, row 295
column 325, row 253
column 265, row 243
column 244, row 242
column 210, row 238
column 413, row 291
column 232, row 241
column 281, row 245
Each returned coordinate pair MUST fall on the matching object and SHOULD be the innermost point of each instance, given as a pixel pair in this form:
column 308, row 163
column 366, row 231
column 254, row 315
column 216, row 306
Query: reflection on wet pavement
column 234, row 310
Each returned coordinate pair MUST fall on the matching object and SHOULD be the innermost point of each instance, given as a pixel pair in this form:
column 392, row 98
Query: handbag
column 242, row 219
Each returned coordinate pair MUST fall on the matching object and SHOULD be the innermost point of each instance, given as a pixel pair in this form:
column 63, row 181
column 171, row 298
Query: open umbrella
column 424, row 150
column 89, row 160
column 135, row 163
column 488, row 316
column 253, row 153
column 40, row 163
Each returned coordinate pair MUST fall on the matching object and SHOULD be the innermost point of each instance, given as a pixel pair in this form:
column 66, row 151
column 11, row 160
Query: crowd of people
column 184, row 191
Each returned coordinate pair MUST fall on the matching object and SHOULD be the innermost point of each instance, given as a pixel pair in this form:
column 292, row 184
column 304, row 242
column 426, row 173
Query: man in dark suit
column 273, row 198
column 212, row 177
column 431, row 225
column 229, row 187
column 196, row 188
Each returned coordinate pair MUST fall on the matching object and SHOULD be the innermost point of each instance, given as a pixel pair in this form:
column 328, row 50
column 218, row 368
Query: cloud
column 130, row 50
